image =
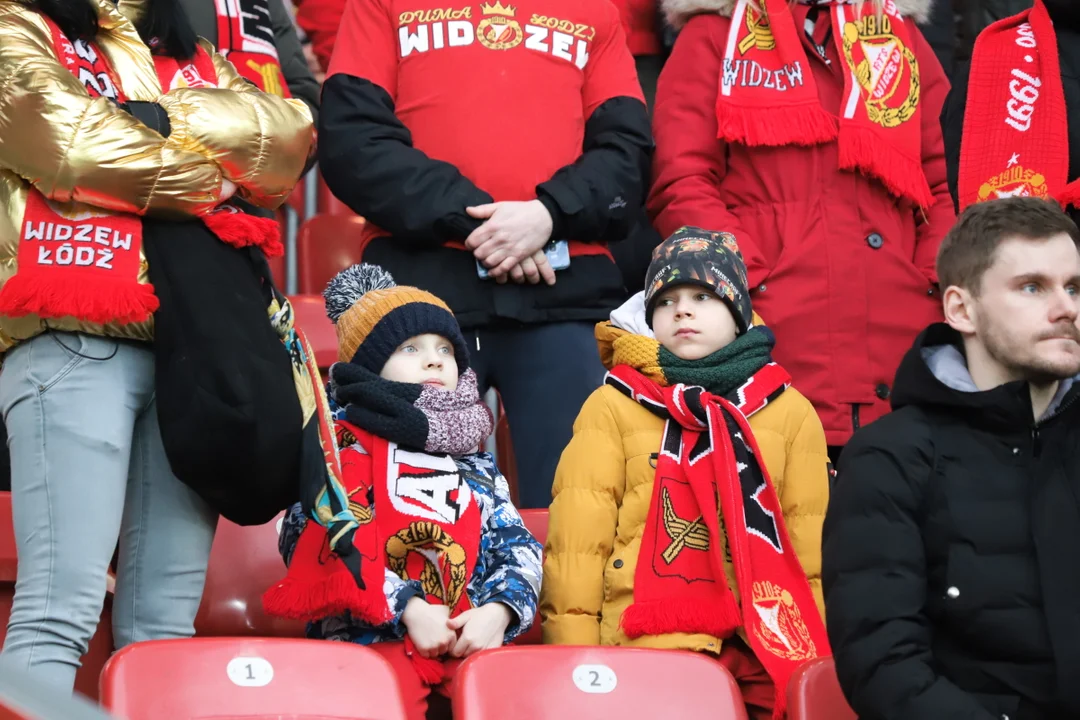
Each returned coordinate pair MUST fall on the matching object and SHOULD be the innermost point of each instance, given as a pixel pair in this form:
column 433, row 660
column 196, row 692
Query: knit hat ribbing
column 373, row 316
column 692, row 256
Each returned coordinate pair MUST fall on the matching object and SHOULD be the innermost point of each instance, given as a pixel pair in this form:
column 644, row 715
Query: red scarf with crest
column 79, row 261
column 416, row 517
column 713, row 500
column 1016, row 129
column 768, row 96
column 246, row 39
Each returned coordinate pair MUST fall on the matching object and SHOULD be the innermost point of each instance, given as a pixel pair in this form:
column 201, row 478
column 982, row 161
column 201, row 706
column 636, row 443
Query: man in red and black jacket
column 471, row 135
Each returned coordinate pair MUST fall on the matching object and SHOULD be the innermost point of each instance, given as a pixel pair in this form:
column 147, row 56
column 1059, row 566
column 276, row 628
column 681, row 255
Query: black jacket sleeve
column 598, row 197
column 874, row 577
column 368, row 160
column 952, row 125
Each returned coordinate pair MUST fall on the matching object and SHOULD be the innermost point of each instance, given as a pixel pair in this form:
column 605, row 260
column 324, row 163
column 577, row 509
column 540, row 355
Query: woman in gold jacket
column 605, row 486
column 109, row 111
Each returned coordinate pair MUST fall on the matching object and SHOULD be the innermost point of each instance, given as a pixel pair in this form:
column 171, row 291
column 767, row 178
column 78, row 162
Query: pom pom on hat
column 373, row 315
column 351, row 284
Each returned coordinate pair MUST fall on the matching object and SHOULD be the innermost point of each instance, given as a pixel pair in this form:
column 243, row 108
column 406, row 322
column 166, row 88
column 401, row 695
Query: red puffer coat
column 841, row 270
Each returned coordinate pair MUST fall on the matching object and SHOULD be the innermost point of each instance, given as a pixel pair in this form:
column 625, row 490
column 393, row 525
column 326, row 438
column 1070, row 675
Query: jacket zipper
column 1035, row 446
column 855, row 424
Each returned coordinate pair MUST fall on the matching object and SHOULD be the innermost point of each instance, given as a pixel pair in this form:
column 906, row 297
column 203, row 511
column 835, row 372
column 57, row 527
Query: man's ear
column 959, row 306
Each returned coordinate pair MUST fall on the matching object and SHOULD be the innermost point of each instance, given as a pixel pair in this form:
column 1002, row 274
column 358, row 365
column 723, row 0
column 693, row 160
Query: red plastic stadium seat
column 252, row 679
column 504, row 452
column 536, row 521
column 549, row 682
column 277, row 271
column 310, row 314
column 814, row 693
column 244, row 563
column 101, row 645
column 327, row 245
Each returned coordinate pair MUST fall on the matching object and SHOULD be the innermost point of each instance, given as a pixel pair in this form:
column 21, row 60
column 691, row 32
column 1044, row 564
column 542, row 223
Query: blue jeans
column 88, row 469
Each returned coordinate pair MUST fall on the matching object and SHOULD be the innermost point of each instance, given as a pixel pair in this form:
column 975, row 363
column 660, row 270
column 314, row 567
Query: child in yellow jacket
column 688, row 506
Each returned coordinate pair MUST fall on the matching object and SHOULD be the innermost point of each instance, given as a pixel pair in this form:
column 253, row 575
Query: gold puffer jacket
column 76, row 149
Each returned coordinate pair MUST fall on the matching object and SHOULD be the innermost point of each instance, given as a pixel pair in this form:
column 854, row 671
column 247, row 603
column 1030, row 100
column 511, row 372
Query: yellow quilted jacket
column 604, row 485
column 76, row 149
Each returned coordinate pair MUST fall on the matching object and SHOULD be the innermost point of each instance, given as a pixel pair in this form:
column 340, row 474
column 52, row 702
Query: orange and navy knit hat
column 374, row 315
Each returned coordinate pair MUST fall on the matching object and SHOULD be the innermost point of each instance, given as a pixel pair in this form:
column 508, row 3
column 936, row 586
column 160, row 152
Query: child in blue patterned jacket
column 413, row 536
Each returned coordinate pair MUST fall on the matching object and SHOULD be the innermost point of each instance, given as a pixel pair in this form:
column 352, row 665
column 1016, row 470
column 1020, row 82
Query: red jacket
column 319, row 19
column 639, row 18
column 840, row 269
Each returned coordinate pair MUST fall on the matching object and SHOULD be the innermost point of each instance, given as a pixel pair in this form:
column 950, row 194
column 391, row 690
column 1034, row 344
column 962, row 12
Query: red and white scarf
column 1016, row 135
column 768, row 96
column 78, row 261
column 416, row 516
column 246, row 39
column 712, row 497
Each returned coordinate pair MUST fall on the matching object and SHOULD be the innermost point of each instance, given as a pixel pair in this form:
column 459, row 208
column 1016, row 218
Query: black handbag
column 231, row 419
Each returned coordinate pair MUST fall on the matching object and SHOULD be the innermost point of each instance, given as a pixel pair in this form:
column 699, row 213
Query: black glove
column 149, row 114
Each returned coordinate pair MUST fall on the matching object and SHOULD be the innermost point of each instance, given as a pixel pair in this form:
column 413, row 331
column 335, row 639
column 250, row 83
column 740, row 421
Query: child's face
column 692, row 322
column 423, row 360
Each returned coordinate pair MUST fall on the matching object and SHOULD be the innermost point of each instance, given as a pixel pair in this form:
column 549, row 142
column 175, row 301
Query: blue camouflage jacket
column 508, row 567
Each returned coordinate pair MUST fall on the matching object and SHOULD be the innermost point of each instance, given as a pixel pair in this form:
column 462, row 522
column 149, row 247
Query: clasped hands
column 435, row 633
column 511, row 241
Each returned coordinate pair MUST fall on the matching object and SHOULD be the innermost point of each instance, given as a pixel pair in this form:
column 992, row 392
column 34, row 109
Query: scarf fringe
column 861, row 149
column 242, row 230
column 1070, row 196
column 431, row 671
column 775, row 127
column 90, row 298
column 673, row 615
column 334, row 595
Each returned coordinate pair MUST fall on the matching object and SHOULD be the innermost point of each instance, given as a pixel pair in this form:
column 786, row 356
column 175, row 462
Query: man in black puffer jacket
column 951, row 592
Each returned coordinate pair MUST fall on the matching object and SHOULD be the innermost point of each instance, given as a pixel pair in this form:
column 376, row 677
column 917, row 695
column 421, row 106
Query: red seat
column 244, row 563
column 253, row 679
column 814, row 693
column 101, row 645
column 504, row 452
column 536, row 521
column 548, row 682
column 309, row 312
column 327, row 245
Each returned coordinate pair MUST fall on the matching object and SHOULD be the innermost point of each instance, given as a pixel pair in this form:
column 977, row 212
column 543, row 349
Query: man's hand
column 427, row 626
column 481, row 628
column 531, row 270
column 512, row 233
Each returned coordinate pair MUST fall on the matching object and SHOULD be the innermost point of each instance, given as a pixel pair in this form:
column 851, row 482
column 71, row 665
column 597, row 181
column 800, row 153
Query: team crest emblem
column 188, row 77
column 780, row 626
column 443, row 573
column 1017, row 181
column 682, row 539
column 885, row 69
column 761, row 35
column 499, row 30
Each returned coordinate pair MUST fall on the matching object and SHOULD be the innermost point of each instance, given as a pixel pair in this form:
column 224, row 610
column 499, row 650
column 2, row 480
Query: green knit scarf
column 727, row 368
